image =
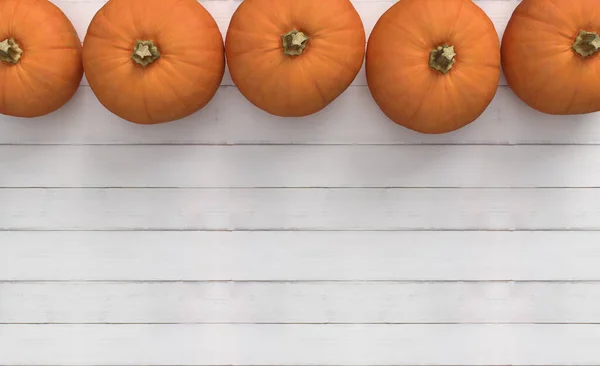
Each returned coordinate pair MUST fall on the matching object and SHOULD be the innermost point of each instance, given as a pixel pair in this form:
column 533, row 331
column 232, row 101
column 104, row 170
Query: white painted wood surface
column 306, row 344
column 300, row 209
column 233, row 237
column 300, row 256
column 299, row 302
column 300, row 166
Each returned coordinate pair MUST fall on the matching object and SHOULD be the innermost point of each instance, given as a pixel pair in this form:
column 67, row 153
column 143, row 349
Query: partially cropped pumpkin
column 433, row 66
column 293, row 58
column 40, row 58
column 550, row 55
column 153, row 61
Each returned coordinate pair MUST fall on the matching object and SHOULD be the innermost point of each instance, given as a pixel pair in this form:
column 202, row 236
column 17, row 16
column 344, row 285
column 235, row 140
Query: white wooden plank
column 300, row 209
column 352, row 119
column 247, row 302
column 81, row 13
column 299, row 344
column 300, row 166
column 306, row 256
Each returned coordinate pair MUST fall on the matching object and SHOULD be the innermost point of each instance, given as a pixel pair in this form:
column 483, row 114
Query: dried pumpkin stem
column 587, row 43
column 442, row 58
column 294, row 43
column 10, row 52
column 145, row 52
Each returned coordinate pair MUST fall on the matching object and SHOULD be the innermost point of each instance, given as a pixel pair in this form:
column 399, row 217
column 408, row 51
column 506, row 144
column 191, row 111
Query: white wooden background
column 238, row 238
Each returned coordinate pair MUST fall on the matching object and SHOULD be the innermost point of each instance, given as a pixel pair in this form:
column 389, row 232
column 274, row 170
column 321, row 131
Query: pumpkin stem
column 442, row 58
column 10, row 52
column 294, row 43
column 145, row 52
column 587, row 43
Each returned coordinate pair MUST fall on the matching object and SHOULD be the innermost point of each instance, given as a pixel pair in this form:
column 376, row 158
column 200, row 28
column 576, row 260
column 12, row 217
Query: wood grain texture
column 497, row 344
column 300, row 166
column 293, row 303
column 299, row 209
column 299, row 256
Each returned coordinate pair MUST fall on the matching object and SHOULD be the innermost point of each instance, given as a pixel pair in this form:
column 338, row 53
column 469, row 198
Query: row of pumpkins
column 432, row 65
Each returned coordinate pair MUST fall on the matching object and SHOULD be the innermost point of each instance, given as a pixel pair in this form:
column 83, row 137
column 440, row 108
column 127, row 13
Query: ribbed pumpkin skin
column 182, row 81
column 407, row 89
column 50, row 70
column 539, row 62
column 294, row 86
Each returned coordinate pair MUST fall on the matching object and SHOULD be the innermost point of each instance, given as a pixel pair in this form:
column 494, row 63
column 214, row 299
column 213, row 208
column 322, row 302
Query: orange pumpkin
column 550, row 55
column 153, row 61
column 292, row 58
column 40, row 58
column 433, row 66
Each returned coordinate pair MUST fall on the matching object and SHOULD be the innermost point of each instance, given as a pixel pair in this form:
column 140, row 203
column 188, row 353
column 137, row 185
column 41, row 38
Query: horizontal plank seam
column 308, row 144
column 292, row 282
column 300, row 188
column 317, row 324
column 303, row 323
column 290, row 230
column 291, row 187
